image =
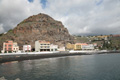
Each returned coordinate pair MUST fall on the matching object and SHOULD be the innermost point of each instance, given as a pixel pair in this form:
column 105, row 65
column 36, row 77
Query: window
column 9, row 45
column 55, row 49
column 9, row 49
column 15, row 45
column 78, row 46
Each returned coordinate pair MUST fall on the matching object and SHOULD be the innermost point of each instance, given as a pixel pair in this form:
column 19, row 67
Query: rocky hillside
column 38, row 27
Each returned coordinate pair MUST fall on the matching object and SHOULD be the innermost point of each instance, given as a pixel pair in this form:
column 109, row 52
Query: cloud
column 1, row 28
column 98, row 2
column 84, row 17
column 12, row 13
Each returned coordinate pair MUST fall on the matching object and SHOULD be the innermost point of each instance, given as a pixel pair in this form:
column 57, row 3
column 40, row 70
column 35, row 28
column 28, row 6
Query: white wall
column 37, row 45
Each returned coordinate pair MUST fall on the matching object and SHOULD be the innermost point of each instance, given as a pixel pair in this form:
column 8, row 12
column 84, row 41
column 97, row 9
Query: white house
column 61, row 49
column 53, row 47
column 87, row 47
column 26, row 48
column 15, row 47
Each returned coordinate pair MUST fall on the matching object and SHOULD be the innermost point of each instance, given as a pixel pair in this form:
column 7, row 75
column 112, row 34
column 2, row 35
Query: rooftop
column 43, row 41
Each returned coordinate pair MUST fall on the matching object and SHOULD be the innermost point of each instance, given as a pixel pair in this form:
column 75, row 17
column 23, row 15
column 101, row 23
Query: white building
column 26, row 48
column 41, row 46
column 2, row 51
column 87, row 47
column 15, row 47
column 61, row 49
column 53, row 47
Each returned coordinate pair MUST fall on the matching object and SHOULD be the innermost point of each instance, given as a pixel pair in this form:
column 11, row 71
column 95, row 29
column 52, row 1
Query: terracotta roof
column 43, row 41
column 116, row 35
column 8, row 41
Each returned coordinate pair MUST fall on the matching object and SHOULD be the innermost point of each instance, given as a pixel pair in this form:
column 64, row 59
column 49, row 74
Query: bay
column 86, row 67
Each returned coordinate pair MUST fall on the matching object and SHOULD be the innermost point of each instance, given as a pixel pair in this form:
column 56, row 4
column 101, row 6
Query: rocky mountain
column 38, row 27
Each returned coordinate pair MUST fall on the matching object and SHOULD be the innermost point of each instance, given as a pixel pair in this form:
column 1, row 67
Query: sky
column 80, row 17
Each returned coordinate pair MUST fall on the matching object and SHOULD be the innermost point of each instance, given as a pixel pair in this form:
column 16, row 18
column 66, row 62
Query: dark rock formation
column 38, row 27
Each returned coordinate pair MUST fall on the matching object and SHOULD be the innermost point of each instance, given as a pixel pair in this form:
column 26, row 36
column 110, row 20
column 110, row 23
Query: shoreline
column 21, row 57
column 8, row 57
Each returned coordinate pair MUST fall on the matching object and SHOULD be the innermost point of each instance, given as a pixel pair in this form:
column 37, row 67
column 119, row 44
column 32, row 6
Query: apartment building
column 78, row 46
column 10, row 46
column 42, row 45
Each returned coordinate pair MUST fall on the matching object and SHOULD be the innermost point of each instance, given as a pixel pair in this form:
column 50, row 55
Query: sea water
column 85, row 67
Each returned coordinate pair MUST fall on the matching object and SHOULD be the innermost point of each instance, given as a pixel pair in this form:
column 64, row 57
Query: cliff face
column 38, row 27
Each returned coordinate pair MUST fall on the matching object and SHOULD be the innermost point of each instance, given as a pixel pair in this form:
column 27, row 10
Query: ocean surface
column 85, row 67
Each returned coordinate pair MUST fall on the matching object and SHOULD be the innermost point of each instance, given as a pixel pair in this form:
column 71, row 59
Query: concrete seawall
column 20, row 57
column 7, row 57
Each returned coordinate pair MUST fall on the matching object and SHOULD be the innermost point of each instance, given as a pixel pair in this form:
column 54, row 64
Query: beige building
column 42, row 45
column 77, row 46
column 15, row 47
